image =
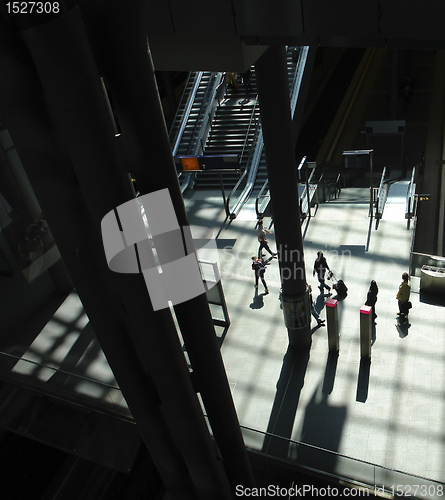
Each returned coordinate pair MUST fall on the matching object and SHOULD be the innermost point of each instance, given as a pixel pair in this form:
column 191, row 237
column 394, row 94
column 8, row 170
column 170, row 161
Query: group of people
column 232, row 81
column 258, row 264
column 320, row 268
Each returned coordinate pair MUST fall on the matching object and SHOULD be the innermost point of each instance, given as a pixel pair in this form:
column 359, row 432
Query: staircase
column 231, row 132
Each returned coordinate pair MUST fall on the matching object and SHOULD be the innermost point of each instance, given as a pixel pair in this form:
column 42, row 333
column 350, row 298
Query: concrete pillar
column 273, row 93
column 124, row 57
column 90, row 182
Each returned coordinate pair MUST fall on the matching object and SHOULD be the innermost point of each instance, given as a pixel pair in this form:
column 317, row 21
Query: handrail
column 61, row 391
column 203, row 121
column 298, row 76
column 382, row 195
column 208, row 112
column 187, row 111
column 249, row 172
column 252, row 119
column 200, row 122
column 177, row 120
column 409, row 206
column 259, row 213
column 371, row 481
column 303, row 198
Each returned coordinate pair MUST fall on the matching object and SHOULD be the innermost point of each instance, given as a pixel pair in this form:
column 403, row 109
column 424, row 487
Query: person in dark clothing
column 247, row 81
column 320, row 267
column 259, row 267
column 371, row 297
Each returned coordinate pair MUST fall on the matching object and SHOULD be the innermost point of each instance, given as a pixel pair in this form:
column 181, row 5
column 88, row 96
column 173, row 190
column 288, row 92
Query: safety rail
column 253, row 120
column 313, row 186
column 64, row 385
column 410, row 196
column 298, row 77
column 370, row 478
column 382, row 195
column 262, row 200
column 253, row 163
column 202, row 124
column 205, row 116
column 176, row 136
column 249, row 174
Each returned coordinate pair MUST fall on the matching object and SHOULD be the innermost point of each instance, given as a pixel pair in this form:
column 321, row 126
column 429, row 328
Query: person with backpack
column 259, row 267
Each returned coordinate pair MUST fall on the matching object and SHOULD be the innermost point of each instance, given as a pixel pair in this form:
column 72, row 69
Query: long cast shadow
column 282, row 417
column 322, row 429
column 363, row 380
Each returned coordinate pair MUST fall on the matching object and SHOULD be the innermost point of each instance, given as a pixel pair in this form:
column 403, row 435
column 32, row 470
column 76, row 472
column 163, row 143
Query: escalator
column 234, row 129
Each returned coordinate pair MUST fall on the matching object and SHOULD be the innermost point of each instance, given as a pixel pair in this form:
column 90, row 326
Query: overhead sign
column 206, row 163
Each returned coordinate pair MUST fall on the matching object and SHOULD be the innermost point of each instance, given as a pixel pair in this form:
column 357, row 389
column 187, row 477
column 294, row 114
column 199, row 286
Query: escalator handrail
column 250, row 172
column 252, row 120
column 410, row 195
column 208, row 112
column 179, row 109
column 187, row 110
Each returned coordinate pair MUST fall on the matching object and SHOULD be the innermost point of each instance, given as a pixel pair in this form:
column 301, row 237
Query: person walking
column 371, row 298
column 403, row 296
column 247, row 81
column 320, row 267
column 321, row 322
column 261, row 233
column 259, row 267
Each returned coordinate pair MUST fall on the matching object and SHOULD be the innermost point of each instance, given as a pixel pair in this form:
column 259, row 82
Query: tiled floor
column 390, row 413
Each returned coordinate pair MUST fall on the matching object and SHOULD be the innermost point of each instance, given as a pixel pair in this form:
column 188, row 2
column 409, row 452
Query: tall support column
column 273, row 93
column 49, row 169
column 125, row 59
column 61, row 55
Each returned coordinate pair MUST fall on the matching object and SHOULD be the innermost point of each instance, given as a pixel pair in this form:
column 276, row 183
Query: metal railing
column 369, row 477
column 248, row 176
column 64, row 385
column 382, row 195
column 205, row 117
column 253, row 121
column 313, row 186
column 410, row 196
column 203, row 120
column 183, row 115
